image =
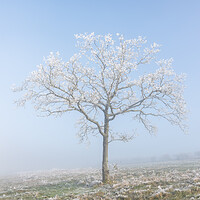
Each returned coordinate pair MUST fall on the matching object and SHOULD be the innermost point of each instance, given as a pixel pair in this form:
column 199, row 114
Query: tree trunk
column 105, row 170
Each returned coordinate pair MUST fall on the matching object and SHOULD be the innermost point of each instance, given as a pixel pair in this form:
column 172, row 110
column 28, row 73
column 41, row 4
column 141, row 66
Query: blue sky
column 30, row 29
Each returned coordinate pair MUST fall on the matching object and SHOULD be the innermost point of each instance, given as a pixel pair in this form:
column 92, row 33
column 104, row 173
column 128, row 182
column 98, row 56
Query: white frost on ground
column 156, row 180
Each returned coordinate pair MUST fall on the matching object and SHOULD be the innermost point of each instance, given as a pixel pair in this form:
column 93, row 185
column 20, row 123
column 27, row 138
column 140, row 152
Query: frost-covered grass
column 171, row 180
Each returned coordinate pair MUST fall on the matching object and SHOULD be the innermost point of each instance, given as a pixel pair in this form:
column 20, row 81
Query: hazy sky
column 30, row 29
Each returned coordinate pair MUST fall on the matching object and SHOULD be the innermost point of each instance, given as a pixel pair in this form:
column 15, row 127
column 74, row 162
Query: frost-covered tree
column 105, row 80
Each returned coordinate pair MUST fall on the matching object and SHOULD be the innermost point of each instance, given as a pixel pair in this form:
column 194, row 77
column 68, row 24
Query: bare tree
column 102, row 82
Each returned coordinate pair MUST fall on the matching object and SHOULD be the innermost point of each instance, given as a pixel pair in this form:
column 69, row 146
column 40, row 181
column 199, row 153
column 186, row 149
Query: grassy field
column 170, row 180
